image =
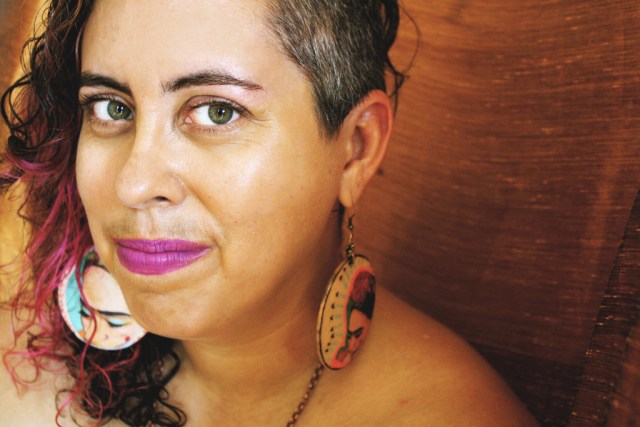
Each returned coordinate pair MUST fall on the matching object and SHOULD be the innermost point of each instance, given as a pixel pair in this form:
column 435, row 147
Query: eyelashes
column 107, row 109
column 212, row 114
column 106, row 114
column 200, row 114
column 112, row 321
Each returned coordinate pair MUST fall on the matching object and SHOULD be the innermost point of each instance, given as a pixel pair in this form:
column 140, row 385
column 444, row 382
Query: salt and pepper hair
column 341, row 46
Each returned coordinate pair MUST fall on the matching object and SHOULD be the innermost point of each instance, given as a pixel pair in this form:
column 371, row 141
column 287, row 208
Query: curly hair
column 343, row 52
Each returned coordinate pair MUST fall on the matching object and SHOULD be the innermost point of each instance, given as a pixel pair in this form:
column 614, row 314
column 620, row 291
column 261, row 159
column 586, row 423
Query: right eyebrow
column 92, row 79
column 209, row 77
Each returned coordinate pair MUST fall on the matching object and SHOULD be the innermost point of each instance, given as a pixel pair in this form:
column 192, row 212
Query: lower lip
column 157, row 257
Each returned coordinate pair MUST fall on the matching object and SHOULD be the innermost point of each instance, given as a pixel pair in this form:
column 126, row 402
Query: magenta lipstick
column 155, row 257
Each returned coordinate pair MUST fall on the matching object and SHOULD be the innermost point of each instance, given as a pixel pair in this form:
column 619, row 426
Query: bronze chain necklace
column 313, row 382
column 305, row 399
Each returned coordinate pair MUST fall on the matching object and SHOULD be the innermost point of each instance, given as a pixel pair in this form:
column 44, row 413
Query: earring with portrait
column 346, row 309
column 93, row 306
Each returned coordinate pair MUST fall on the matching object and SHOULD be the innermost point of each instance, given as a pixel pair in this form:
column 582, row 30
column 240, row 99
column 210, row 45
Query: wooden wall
column 512, row 174
column 503, row 202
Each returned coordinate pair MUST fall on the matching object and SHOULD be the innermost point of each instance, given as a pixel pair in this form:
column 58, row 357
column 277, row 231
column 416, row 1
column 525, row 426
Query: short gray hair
column 342, row 46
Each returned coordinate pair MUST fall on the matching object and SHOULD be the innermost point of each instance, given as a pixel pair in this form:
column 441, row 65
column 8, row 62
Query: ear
column 365, row 133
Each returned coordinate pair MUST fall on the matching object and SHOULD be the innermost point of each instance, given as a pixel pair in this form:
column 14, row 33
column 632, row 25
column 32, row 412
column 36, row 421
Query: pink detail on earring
column 346, row 312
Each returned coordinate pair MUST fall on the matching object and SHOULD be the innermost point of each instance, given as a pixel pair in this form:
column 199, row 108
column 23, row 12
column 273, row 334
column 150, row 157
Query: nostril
column 144, row 182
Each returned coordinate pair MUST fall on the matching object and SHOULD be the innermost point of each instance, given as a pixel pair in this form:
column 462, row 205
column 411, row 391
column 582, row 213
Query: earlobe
column 366, row 132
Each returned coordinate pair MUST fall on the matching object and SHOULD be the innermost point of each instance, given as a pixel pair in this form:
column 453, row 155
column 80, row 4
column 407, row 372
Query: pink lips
column 154, row 257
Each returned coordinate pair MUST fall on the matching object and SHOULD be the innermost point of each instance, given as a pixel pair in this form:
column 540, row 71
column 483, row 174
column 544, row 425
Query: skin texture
column 261, row 193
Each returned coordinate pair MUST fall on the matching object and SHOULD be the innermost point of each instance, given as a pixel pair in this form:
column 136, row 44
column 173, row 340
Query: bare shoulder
column 20, row 405
column 426, row 375
column 31, row 403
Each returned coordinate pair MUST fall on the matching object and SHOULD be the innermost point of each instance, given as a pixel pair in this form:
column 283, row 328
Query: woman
column 209, row 151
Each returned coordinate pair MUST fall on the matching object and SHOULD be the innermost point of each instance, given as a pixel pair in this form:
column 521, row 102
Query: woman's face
column 207, row 184
column 114, row 326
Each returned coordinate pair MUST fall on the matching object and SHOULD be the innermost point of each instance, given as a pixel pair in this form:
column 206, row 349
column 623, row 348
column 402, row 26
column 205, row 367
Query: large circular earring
column 346, row 310
column 92, row 305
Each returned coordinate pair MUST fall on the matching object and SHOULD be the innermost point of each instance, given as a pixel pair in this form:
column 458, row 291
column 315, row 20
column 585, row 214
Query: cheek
column 85, row 173
column 93, row 173
column 279, row 185
column 237, row 183
column 95, row 181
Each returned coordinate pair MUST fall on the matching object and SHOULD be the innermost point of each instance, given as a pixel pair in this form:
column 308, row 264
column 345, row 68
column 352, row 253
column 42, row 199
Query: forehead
column 162, row 38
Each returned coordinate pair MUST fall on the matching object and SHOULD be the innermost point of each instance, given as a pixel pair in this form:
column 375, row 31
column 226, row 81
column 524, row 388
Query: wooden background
column 513, row 171
column 503, row 202
column 16, row 20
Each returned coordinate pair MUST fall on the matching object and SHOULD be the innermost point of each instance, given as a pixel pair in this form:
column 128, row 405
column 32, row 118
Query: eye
column 108, row 110
column 356, row 333
column 214, row 114
column 116, row 323
column 84, row 312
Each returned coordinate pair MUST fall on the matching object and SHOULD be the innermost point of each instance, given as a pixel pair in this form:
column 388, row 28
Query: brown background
column 512, row 174
column 16, row 18
column 502, row 204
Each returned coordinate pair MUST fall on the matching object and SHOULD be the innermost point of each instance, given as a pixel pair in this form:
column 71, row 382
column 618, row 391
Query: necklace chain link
column 305, row 399
column 313, row 382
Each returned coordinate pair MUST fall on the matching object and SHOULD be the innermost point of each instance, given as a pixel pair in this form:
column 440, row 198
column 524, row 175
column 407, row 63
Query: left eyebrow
column 209, row 77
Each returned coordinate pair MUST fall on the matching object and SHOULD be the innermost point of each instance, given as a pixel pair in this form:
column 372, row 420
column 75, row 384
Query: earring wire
column 350, row 251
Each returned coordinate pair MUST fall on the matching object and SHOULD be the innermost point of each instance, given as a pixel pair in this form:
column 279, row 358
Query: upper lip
column 159, row 246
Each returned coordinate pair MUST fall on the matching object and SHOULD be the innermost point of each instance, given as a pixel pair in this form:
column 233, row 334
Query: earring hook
column 350, row 251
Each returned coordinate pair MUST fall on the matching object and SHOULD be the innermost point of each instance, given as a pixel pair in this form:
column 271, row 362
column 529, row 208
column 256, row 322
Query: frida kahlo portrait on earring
column 102, row 316
column 189, row 169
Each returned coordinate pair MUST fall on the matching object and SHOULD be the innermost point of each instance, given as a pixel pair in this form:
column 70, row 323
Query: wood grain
column 624, row 403
column 513, row 169
column 614, row 340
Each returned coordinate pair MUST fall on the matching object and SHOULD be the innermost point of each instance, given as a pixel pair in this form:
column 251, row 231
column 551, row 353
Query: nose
column 147, row 178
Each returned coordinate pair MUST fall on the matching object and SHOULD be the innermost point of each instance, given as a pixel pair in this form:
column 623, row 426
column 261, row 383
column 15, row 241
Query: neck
column 256, row 364
column 230, row 382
